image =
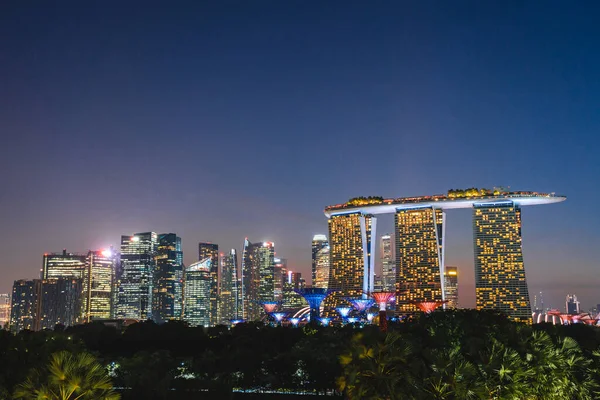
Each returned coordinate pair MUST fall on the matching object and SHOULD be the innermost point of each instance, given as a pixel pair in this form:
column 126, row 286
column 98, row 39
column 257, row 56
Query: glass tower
column 419, row 256
column 211, row 250
column 499, row 272
column 318, row 243
column 168, row 275
column 258, row 270
column 197, row 292
column 321, row 279
column 98, row 278
column 23, row 305
column 388, row 268
column 451, row 286
column 229, row 292
column 134, row 297
column 59, row 302
column 63, row 265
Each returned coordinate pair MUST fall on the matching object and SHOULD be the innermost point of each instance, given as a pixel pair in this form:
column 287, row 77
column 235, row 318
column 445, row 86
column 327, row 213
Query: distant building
column 293, row 283
column 321, row 279
column 167, row 288
column 388, row 268
column 196, row 293
column 318, row 242
column 98, row 278
column 279, row 277
column 63, row 265
column 230, row 300
column 4, row 310
column 258, row 270
column 211, row 250
column 572, row 304
column 24, row 305
column 451, row 286
column 135, row 287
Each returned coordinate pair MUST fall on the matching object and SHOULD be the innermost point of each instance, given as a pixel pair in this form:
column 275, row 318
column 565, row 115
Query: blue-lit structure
column 295, row 321
column 352, row 320
column 279, row 316
column 361, row 305
column 314, row 297
column 325, row 321
column 370, row 316
column 344, row 312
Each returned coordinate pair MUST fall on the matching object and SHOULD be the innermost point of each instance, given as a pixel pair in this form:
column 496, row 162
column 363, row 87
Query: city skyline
column 455, row 96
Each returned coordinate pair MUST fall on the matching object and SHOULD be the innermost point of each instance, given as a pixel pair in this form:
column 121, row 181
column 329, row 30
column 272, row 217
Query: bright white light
column 135, row 238
column 107, row 253
column 319, row 238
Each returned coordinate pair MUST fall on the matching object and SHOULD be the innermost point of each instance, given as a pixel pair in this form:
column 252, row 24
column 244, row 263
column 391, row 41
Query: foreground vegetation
column 445, row 355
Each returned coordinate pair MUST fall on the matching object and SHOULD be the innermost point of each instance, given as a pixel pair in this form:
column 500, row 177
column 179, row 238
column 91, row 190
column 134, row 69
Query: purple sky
column 238, row 119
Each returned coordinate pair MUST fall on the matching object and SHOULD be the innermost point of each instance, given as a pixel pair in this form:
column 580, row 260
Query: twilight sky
column 232, row 119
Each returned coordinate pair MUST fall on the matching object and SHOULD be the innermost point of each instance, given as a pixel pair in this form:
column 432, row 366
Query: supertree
column 428, row 306
column 361, row 305
column 295, row 321
column 269, row 306
column 314, row 297
column 344, row 312
column 382, row 298
column 279, row 316
column 352, row 320
column 370, row 316
column 325, row 321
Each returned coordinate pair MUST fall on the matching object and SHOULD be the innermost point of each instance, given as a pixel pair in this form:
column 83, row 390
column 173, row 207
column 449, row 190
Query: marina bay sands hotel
column 420, row 233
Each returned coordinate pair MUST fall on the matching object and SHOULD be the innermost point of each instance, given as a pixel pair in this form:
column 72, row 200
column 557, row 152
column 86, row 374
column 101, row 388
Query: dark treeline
column 445, row 355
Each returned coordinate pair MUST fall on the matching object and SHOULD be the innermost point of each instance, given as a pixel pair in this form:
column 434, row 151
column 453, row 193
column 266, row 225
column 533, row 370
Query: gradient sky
column 220, row 121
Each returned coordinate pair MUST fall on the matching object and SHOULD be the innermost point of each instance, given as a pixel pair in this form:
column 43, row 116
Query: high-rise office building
column 451, row 286
column 499, row 272
column 352, row 257
column 258, row 270
column 63, row 265
column 167, row 288
column 23, row 305
column 291, row 285
column 230, row 307
column 279, row 276
column 4, row 310
column 211, row 250
column 419, row 256
column 196, row 293
column 321, row 279
column 318, row 243
column 59, row 302
column 134, row 298
column 98, row 278
column 388, row 268
column 572, row 305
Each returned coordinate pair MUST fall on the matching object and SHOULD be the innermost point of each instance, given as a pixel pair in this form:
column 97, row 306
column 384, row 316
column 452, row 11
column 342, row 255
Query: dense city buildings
column 318, row 242
column 258, row 270
column 58, row 302
column 388, row 268
column 572, row 305
column 420, row 256
column 4, row 310
column 451, row 286
column 167, row 290
column 230, row 299
column 279, row 276
column 63, row 265
column 97, row 284
column 321, row 279
column 211, row 250
column 197, row 292
column 24, row 304
column 291, row 286
column 134, row 297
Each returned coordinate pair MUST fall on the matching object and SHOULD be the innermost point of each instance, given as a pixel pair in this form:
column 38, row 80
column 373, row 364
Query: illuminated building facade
column 167, row 288
column 451, row 286
column 197, row 292
column 4, row 310
column 352, row 257
column 388, row 268
column 59, row 302
column 291, row 286
column 134, row 297
column 258, row 270
column 63, row 265
column 572, row 305
column 211, row 250
column 499, row 272
column 321, row 279
column 97, row 285
column 230, row 305
column 23, row 305
column 279, row 277
column 419, row 256
column 318, row 242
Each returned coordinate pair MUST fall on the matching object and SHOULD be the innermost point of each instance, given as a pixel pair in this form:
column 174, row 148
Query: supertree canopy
column 382, row 298
column 314, row 297
column 270, row 306
column 279, row 316
column 344, row 311
column 325, row 321
column 295, row 321
column 428, row 306
column 361, row 305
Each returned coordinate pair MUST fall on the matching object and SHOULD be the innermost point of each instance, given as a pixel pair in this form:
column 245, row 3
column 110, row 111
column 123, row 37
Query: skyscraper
column 23, row 305
column 58, row 301
column 572, row 305
column 4, row 310
column 451, row 286
column 168, row 276
column 279, row 276
column 211, row 250
column 97, row 285
column 134, row 298
column 292, row 283
column 419, row 256
column 499, row 272
column 318, row 242
column 321, row 279
column 258, row 269
column 196, row 293
column 352, row 264
column 388, row 268
column 230, row 291
column 63, row 265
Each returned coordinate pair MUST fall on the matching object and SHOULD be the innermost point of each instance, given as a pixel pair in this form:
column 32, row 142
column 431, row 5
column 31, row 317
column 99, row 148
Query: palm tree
column 68, row 377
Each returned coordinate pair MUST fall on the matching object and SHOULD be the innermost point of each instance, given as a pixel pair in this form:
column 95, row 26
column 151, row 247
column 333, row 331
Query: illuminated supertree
column 236, row 321
column 428, row 306
column 361, row 305
column 314, row 297
column 352, row 320
column 370, row 317
column 269, row 306
column 325, row 321
column 382, row 298
column 279, row 316
column 344, row 312
column 295, row 321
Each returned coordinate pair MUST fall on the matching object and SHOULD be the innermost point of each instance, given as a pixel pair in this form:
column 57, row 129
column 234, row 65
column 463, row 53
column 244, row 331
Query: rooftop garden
column 363, row 201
